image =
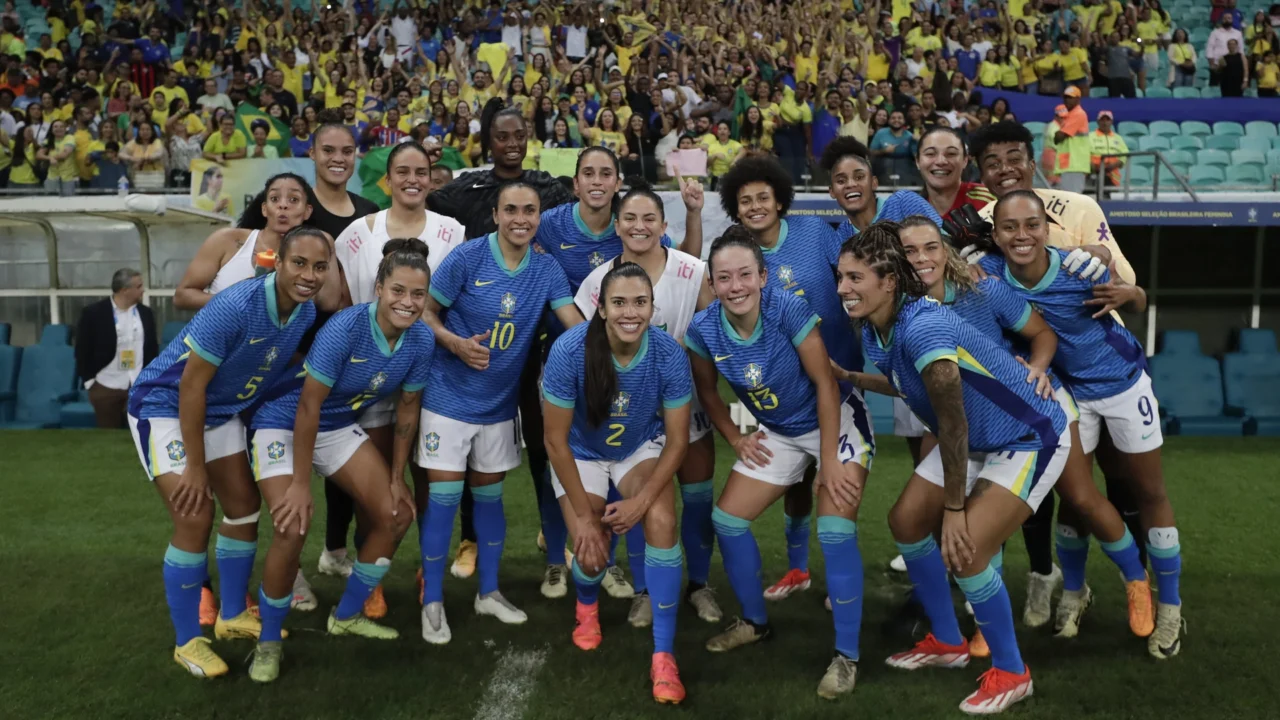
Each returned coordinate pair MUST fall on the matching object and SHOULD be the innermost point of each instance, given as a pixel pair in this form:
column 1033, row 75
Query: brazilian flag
column 372, row 172
column 277, row 135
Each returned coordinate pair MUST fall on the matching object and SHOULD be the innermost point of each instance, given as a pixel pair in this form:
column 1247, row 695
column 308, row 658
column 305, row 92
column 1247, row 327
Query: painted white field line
column 511, row 685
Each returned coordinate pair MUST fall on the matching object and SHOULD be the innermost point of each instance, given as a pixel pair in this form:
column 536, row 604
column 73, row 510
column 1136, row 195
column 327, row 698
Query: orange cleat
column 376, row 606
column 997, row 690
column 931, row 652
column 667, row 688
column 1141, row 617
column 978, row 645
column 793, row 581
column 208, row 607
column 586, row 633
column 421, row 586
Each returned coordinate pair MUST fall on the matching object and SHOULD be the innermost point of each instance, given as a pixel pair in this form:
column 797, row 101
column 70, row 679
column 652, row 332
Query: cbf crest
column 595, row 259
column 377, row 381
column 270, row 358
column 754, row 375
column 508, row 304
column 275, row 450
column 176, row 450
column 784, row 274
column 621, row 401
column 431, row 441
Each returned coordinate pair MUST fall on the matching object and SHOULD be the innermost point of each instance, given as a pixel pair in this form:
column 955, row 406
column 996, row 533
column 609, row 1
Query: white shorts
column 597, row 475
column 1029, row 474
column 379, row 414
column 793, row 455
column 699, row 423
column 905, row 422
column 161, row 450
column 1068, row 404
column 271, row 451
column 453, row 445
column 1132, row 417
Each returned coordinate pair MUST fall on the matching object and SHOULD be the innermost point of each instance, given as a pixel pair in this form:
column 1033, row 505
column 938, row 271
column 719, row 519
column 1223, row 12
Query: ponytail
column 600, row 382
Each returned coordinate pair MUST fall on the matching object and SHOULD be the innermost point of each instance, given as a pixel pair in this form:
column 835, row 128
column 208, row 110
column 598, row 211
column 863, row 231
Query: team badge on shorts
column 275, row 450
column 754, row 375
column 596, row 259
column 176, row 450
column 377, row 380
column 621, row 402
column 431, row 442
column 508, row 303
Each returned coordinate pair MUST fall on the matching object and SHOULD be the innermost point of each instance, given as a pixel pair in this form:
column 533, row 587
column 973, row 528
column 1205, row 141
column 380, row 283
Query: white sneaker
column 1039, row 607
column 1071, row 609
column 496, row 605
column 336, row 565
column 898, row 564
column 615, row 583
column 304, row 598
column 641, row 614
column 555, row 582
column 1166, row 641
column 704, row 602
column 840, row 678
column 435, row 627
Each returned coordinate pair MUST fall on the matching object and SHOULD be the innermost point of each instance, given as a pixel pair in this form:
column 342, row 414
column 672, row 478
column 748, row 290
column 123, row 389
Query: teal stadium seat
column 1257, row 144
column 1198, row 36
column 1099, row 92
column 1244, row 175
column 1260, row 128
column 1217, row 158
column 1139, row 175
column 1186, row 142
column 880, row 406
column 1153, row 142
column 78, row 414
column 1256, row 341
column 1252, row 382
column 55, row 335
column 1180, row 342
column 1222, row 142
column 1228, row 127
column 1132, row 128
column 1203, row 176
column 10, row 358
column 5, row 328
column 1158, row 92
column 1035, row 128
column 1248, row 157
column 1180, row 157
column 1183, row 93
column 170, row 331
column 1275, row 143
column 46, row 381
column 1196, row 128
column 1210, row 91
column 1189, row 387
column 1163, row 128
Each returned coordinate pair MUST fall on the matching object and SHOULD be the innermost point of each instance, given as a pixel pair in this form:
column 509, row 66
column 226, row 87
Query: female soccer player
column 942, row 160
column 495, row 290
column 1104, row 367
column 762, row 340
column 1001, row 447
column 680, row 289
column 183, row 413
column 227, row 257
column 362, row 354
column 853, row 186
column 616, row 410
column 800, row 253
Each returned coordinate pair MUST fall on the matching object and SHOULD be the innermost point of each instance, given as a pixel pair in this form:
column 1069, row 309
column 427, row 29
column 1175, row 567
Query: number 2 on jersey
column 618, row 429
column 502, row 335
column 763, row 399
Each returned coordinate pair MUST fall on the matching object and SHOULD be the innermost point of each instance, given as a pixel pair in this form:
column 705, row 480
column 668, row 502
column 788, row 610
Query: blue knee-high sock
column 929, row 582
column 635, row 557
column 360, row 585
column 613, row 496
column 588, row 586
column 272, row 611
column 554, row 529
column 997, row 562
column 1124, row 553
column 435, row 531
column 665, row 574
column 696, row 533
column 491, row 534
column 991, row 609
column 1166, row 561
column 741, row 557
column 797, row 533
column 838, row 538
column 235, row 565
column 184, row 573
column 1073, row 553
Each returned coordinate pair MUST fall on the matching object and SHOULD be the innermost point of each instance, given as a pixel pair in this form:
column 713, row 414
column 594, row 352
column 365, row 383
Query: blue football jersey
column 565, row 237
column 352, row 358
column 657, row 378
column 482, row 295
column 764, row 370
column 1096, row 359
column 1003, row 411
column 992, row 308
column 241, row 332
column 803, row 262
column 897, row 207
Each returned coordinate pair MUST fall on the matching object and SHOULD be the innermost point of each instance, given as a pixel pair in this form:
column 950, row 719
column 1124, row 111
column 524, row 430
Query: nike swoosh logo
column 255, row 341
column 477, row 186
column 486, row 282
column 979, row 623
column 846, row 602
column 192, row 585
column 666, row 607
column 355, row 359
column 723, row 357
column 494, row 544
column 1153, row 432
column 428, row 558
column 566, row 247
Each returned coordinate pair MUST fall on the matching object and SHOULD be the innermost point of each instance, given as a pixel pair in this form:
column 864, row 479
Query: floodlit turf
column 84, row 632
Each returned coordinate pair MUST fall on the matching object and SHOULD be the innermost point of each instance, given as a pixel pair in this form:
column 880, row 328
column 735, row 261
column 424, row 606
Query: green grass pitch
column 85, row 632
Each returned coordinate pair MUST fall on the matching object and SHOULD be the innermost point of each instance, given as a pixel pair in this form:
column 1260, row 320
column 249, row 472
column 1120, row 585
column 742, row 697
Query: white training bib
column 239, row 267
column 675, row 297
column 359, row 249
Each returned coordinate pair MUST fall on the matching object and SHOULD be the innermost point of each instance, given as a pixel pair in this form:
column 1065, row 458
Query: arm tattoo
column 942, row 381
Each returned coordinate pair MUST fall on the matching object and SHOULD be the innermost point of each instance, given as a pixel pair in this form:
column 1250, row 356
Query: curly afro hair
column 756, row 168
column 841, row 148
column 1001, row 132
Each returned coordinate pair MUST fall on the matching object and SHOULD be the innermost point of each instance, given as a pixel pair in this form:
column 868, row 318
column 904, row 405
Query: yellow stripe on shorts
column 1021, row 487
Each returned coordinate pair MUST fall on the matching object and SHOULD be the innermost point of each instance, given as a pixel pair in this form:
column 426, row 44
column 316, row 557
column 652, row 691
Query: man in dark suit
column 115, row 339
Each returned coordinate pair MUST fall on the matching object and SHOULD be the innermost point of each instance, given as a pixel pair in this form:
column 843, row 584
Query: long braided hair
column 881, row 250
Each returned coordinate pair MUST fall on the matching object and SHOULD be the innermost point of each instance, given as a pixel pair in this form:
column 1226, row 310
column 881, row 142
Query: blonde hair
column 956, row 270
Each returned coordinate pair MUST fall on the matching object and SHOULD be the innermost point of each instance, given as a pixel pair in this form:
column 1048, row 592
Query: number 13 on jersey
column 763, row 399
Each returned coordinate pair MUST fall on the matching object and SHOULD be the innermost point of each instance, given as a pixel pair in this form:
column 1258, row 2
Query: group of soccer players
column 357, row 343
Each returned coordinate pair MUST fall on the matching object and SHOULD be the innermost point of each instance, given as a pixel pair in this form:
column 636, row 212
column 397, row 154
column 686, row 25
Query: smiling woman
column 942, row 160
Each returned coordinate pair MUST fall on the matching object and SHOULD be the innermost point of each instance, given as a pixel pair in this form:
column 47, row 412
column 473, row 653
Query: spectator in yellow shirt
column 1268, row 72
column 226, row 144
column 722, row 151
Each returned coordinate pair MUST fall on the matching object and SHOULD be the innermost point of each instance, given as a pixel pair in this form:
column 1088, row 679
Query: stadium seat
column 1257, row 144
column 10, row 357
column 1153, row 142
column 1244, row 175
column 1196, row 128
column 1035, row 128
column 1198, row 36
column 1222, row 142
column 1180, row 342
column 1163, row 128
column 1186, row 142
column 1256, row 341
column 1228, row 127
column 1099, row 92
column 1273, row 157
column 1252, row 384
column 78, row 414
column 1260, row 128
column 5, row 328
column 1219, row 158
column 1211, row 91
column 46, row 380
column 170, row 331
column 1180, row 157
column 1275, row 143
column 55, row 335
column 880, row 407
column 1182, row 93
column 1189, row 388
column 1138, row 175
column 1206, row 176
column 1248, row 157
column 1158, row 92
column 1134, row 128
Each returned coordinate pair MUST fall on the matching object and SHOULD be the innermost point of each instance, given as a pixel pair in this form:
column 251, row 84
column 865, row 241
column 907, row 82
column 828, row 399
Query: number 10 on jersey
column 502, row 335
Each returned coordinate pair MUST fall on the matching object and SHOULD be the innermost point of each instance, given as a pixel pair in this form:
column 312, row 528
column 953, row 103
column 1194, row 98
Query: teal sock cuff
column 912, row 551
column 1164, row 553
column 835, row 528
column 795, row 523
column 1071, row 543
column 980, row 587
column 580, row 576
column 729, row 524
column 997, row 561
column 663, row 557
column 280, row 602
column 182, row 558
column 1123, row 543
column 371, row 573
column 487, row 493
column 446, row 493
column 235, row 547
column 697, row 491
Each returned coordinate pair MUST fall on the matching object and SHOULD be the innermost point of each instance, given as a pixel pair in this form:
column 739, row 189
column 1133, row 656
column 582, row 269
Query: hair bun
column 410, row 245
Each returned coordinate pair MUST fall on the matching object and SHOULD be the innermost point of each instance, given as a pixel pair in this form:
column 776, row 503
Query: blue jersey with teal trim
column 657, row 378
column 993, row 307
column 897, row 207
column 352, row 358
column 482, row 295
column 803, row 262
column 764, row 370
column 239, row 331
column 1003, row 411
column 1096, row 358
column 565, row 237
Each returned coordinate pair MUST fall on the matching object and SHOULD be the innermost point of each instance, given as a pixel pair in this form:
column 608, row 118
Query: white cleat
column 615, row 583
column 641, row 614
column 1071, row 609
column 304, row 598
column 898, row 564
column 435, row 627
column 840, row 678
column 1166, row 641
column 704, row 602
column 1039, row 607
column 497, row 606
column 335, row 565
column 555, row 582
